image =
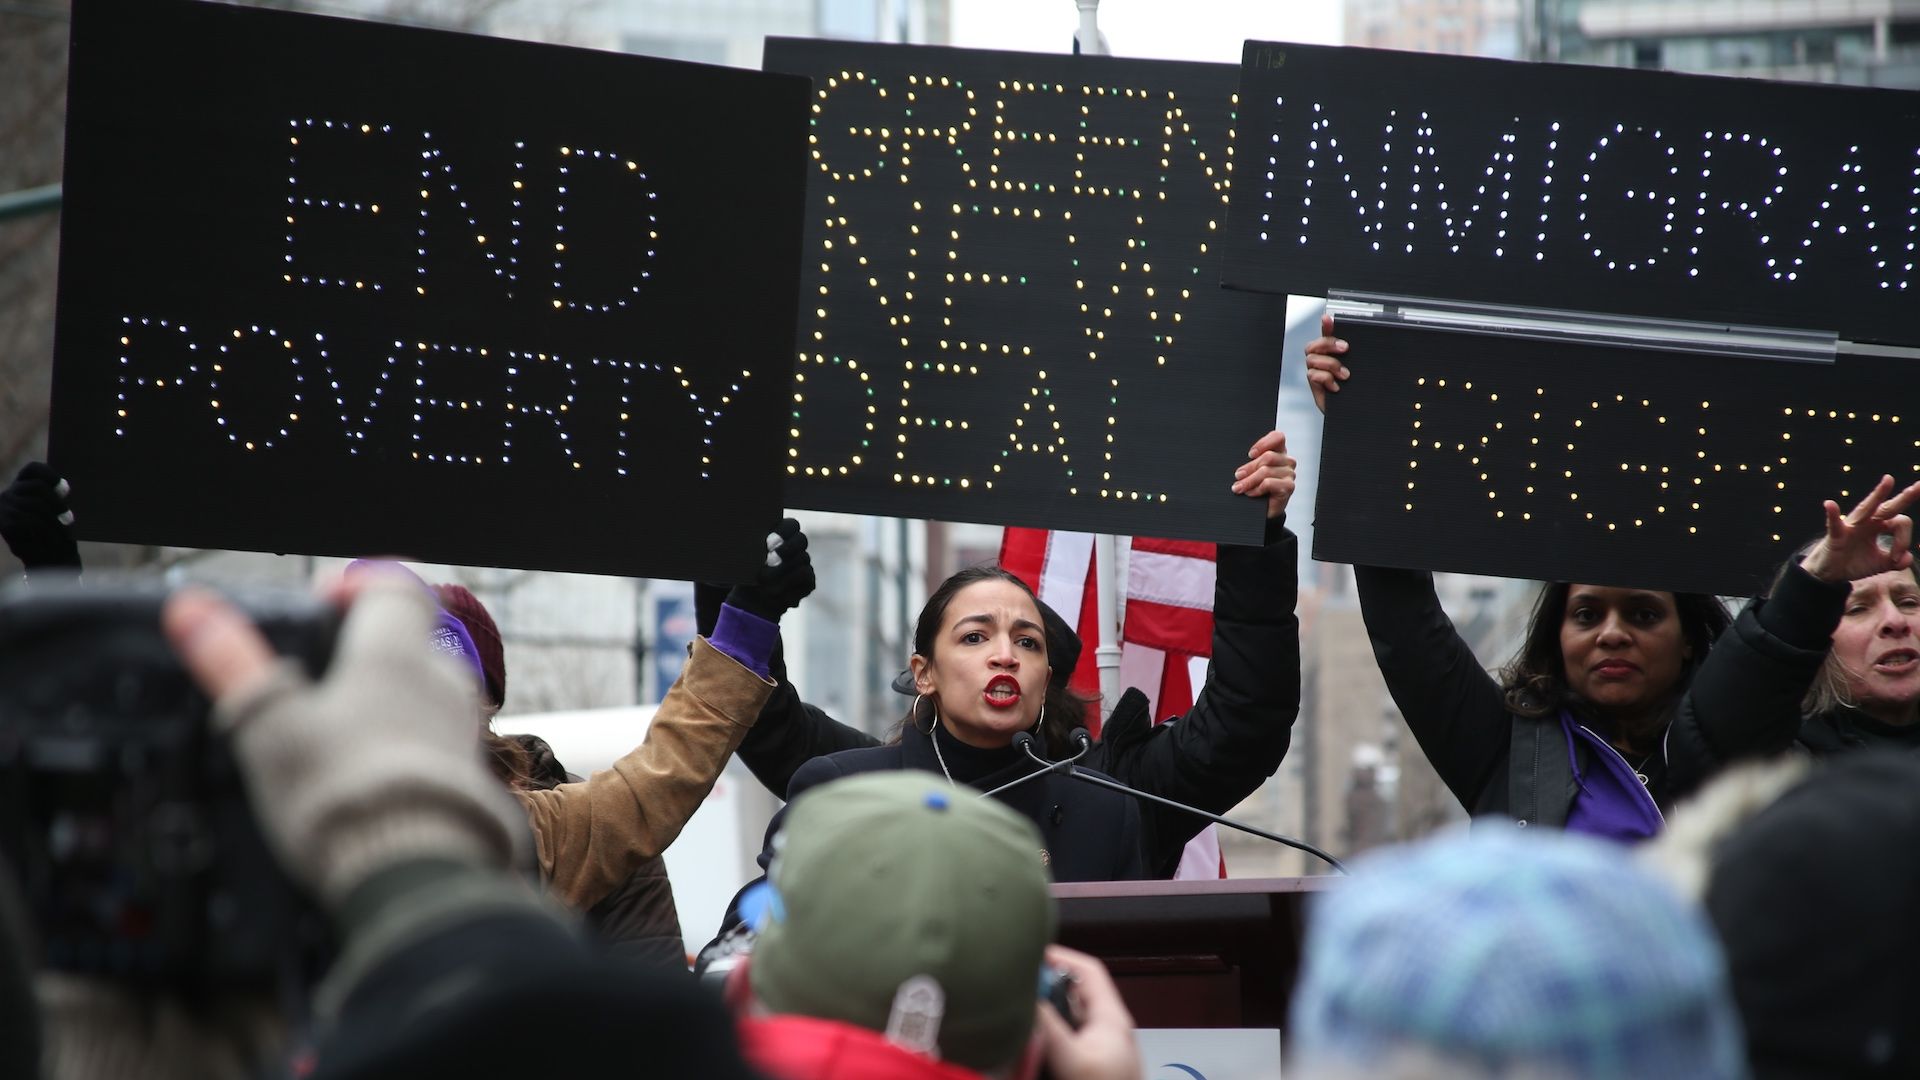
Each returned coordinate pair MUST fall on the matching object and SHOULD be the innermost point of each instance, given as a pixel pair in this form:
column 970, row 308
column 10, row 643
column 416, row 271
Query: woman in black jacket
column 1831, row 657
column 1585, row 729
column 1216, row 755
column 982, row 670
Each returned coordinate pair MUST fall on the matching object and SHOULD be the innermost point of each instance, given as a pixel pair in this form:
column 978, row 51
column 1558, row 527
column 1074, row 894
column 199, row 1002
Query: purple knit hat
column 449, row 634
column 459, row 601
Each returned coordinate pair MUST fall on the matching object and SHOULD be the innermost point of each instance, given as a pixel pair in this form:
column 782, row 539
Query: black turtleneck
column 971, row 763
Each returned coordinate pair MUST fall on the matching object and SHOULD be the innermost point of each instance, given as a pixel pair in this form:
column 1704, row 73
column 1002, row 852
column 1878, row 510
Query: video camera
column 122, row 811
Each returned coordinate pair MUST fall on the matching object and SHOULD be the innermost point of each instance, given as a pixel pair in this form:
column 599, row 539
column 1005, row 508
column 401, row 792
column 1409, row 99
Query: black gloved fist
column 785, row 580
column 34, row 520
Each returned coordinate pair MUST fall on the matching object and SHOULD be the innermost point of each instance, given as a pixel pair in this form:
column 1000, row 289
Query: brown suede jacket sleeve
column 593, row 834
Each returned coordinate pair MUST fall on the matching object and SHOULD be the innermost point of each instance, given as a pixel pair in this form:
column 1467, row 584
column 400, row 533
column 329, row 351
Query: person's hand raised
column 376, row 763
column 785, row 580
column 1325, row 368
column 1873, row 538
column 35, row 521
column 1269, row 472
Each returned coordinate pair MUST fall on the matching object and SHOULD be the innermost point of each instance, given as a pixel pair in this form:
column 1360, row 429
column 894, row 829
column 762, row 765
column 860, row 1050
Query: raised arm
column 790, row 732
column 1456, row 711
column 35, row 521
column 1241, row 723
column 368, row 790
column 591, row 835
column 1745, row 701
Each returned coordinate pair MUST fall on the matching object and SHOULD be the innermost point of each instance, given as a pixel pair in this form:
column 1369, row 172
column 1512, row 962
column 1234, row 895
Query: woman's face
column 1623, row 648
column 988, row 672
column 1878, row 644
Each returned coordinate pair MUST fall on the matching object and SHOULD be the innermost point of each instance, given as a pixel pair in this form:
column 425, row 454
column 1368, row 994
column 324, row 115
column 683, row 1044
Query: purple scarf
column 1612, row 803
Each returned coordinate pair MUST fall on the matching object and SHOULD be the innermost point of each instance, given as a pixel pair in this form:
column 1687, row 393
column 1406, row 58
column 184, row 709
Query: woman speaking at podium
column 982, row 673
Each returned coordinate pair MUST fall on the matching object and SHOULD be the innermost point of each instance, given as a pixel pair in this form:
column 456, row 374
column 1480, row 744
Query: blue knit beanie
column 1509, row 951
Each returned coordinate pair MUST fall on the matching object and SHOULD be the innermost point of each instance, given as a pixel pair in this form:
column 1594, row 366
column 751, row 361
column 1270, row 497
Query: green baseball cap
column 886, row 884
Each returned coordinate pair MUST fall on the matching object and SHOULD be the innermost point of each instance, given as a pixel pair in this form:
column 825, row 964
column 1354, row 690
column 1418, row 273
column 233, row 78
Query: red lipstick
column 1002, row 692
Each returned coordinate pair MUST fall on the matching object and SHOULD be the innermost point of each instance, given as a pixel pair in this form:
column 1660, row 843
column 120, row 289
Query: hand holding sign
column 785, row 580
column 1325, row 370
column 34, row 519
column 1269, row 472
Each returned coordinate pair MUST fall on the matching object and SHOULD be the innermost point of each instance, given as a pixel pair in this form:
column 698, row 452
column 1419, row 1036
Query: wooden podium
column 1194, row 954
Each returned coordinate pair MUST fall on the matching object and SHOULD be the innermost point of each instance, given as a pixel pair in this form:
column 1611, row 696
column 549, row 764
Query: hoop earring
column 1040, row 723
column 936, row 714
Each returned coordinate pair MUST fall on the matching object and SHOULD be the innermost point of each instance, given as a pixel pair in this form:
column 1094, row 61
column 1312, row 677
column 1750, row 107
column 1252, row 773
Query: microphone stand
column 1066, row 768
column 1024, row 740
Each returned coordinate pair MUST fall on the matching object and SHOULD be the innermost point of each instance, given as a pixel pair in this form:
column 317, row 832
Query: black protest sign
column 1633, row 192
column 1010, row 301
column 1519, row 458
column 334, row 287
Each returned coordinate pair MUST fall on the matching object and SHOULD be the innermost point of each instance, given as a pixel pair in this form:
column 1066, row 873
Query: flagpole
column 1087, row 38
column 1106, row 547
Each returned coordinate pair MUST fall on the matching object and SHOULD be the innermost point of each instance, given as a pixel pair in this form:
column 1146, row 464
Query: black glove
column 34, row 520
column 707, row 598
column 785, row 580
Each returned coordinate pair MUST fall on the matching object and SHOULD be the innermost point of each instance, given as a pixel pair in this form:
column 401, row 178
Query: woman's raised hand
column 785, row 580
column 1269, row 472
column 1325, row 371
column 1873, row 538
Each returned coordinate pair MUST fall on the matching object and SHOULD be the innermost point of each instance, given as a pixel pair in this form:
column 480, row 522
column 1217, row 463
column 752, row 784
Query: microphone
column 1024, row 740
column 1085, row 740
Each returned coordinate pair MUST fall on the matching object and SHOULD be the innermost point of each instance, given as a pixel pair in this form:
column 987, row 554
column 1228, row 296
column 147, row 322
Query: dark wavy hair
column 509, row 761
column 1065, row 708
column 1535, row 680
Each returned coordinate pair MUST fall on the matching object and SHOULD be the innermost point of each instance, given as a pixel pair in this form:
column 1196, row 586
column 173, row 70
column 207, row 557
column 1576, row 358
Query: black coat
column 1087, row 833
column 1219, row 753
column 1494, row 760
column 1763, row 666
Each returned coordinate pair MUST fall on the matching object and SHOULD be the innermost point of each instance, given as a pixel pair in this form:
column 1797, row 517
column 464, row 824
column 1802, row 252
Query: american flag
column 1165, row 640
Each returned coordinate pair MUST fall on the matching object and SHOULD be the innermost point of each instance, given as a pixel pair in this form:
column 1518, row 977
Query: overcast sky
column 1150, row 29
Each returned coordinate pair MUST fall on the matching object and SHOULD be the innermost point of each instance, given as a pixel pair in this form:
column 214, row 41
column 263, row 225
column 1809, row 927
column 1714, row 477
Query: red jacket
column 803, row 1048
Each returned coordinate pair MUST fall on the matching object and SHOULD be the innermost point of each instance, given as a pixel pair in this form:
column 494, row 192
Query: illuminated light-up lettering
column 1515, row 458
column 347, row 151
column 472, row 362
column 248, row 384
column 342, row 200
column 1011, row 288
column 1846, row 218
column 968, row 276
column 1631, row 192
column 463, row 404
column 412, row 276
column 1666, row 218
column 585, row 165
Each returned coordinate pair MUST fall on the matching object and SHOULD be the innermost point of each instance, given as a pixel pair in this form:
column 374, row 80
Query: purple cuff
column 747, row 638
